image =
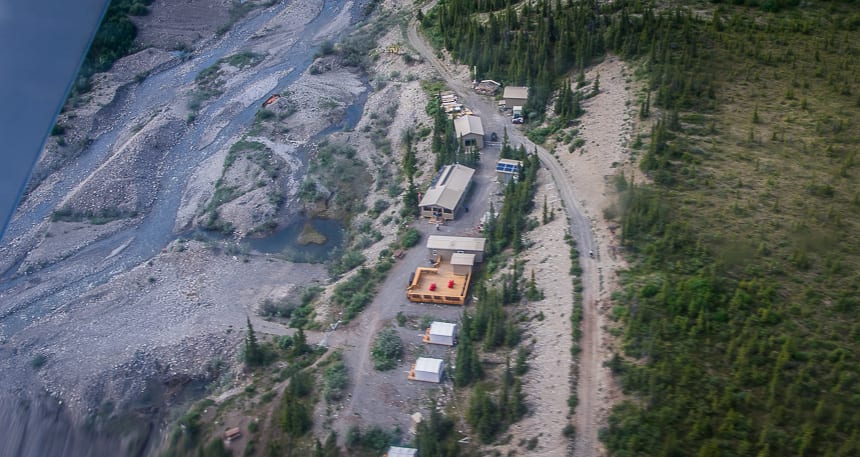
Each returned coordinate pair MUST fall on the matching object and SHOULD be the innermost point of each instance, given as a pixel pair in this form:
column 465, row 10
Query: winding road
column 588, row 410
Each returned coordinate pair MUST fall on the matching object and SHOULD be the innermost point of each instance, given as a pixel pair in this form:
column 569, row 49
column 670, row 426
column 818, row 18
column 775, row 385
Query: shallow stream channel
column 41, row 423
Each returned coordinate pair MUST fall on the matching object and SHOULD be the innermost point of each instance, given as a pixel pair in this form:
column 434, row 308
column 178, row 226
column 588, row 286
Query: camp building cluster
column 453, row 259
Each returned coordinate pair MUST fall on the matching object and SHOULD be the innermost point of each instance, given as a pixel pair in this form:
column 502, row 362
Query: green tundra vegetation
column 739, row 312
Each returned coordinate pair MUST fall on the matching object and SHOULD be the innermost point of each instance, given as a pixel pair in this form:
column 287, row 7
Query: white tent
column 429, row 370
column 395, row 451
column 442, row 333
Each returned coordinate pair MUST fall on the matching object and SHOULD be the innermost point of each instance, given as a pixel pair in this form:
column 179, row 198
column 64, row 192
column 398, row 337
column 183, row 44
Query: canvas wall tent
column 441, row 333
column 427, row 369
column 446, row 193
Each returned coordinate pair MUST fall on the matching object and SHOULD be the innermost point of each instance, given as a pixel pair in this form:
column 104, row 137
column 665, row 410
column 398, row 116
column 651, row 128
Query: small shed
column 470, row 129
column 507, row 169
column 427, row 369
column 232, row 434
column 516, row 95
column 395, row 451
column 441, row 333
column 446, row 246
column 463, row 263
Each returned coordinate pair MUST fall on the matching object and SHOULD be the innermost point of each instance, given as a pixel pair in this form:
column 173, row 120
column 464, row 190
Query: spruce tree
column 300, row 344
column 517, row 407
column 253, row 353
column 468, row 368
column 545, row 217
column 294, row 418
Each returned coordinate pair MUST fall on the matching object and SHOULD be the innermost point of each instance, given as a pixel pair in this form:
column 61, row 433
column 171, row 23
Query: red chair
column 450, row 283
column 432, row 286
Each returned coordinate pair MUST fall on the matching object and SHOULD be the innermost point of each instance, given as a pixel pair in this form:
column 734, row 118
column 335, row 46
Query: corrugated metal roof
column 516, row 92
column 443, row 328
column 467, row 125
column 456, row 243
column 460, row 258
column 446, row 192
column 428, row 365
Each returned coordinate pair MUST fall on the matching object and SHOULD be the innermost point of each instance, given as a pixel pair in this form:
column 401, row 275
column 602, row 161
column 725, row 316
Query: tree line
column 724, row 361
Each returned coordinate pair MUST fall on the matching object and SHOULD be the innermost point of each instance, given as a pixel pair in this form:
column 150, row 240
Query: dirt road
column 586, row 420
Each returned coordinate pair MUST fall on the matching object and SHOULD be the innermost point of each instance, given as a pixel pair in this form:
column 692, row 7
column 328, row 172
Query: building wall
column 446, row 214
column 446, row 254
column 504, row 177
column 442, row 339
column 510, row 103
column 427, row 376
column 462, row 270
column 478, row 140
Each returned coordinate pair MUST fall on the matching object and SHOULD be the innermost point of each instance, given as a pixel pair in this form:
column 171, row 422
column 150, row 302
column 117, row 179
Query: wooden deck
column 430, row 285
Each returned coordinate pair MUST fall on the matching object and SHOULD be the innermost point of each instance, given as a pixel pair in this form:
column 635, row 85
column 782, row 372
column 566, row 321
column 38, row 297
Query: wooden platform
column 440, row 275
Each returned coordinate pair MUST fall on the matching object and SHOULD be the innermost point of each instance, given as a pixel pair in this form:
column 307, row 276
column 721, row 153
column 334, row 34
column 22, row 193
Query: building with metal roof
column 470, row 130
column 446, row 193
column 446, row 246
column 462, row 263
column 515, row 96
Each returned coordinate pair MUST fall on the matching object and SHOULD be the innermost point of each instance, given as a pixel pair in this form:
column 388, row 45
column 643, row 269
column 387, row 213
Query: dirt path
column 594, row 385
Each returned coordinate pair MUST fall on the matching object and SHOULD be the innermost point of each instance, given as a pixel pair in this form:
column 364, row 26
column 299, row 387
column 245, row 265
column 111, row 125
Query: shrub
column 38, row 361
column 335, row 379
column 568, row 431
column 379, row 206
column 326, row 48
column 387, row 349
column 272, row 308
column 410, row 238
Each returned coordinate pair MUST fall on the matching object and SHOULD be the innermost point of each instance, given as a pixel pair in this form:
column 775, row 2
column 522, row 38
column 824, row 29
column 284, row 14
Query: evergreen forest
column 738, row 317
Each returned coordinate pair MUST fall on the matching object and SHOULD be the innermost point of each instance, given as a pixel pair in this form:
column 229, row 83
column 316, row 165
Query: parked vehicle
column 517, row 115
